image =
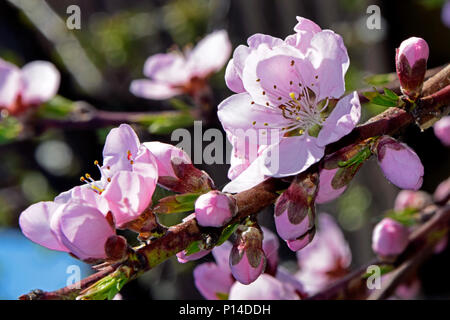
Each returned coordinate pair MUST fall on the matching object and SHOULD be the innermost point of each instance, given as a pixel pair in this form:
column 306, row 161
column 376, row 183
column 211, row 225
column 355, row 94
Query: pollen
column 292, row 62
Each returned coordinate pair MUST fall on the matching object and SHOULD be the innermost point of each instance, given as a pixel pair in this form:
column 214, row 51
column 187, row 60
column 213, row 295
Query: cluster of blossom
column 291, row 94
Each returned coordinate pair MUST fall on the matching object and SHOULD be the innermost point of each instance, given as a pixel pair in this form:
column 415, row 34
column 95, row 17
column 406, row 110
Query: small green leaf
column 390, row 94
column 194, row 247
column 57, row 108
column 389, row 99
column 226, row 233
column 176, row 203
column 106, row 288
column 380, row 79
column 407, row 217
column 222, row 296
column 384, row 269
column 167, row 122
column 10, row 128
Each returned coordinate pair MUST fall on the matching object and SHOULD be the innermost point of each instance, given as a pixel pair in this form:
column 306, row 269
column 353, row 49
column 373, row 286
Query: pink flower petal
column 129, row 194
column 210, row 280
column 233, row 79
column 265, row 287
column 326, row 192
column 442, row 130
column 341, row 121
column 210, row 54
column 40, row 80
column 165, row 154
column 84, row 231
column 154, row 90
column 10, row 84
column 330, row 60
column 35, row 225
column 118, row 143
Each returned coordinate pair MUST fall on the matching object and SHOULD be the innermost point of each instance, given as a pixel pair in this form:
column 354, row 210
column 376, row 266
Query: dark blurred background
column 99, row 61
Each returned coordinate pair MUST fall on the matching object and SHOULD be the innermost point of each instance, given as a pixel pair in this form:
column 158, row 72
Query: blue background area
column 25, row 266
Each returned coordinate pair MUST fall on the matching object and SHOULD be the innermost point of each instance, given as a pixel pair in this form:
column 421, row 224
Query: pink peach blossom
column 175, row 73
column 34, row 84
column 286, row 107
column 265, row 287
column 326, row 258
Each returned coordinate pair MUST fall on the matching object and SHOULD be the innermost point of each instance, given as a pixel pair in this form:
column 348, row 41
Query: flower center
column 100, row 185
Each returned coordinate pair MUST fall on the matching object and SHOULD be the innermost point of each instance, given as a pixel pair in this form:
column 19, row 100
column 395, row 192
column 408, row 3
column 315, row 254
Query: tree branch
column 249, row 202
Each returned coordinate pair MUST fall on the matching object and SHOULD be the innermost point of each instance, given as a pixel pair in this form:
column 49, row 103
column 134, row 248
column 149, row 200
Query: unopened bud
column 214, row 209
column 417, row 200
column 400, row 164
column 389, row 238
column 442, row 130
column 247, row 259
column 301, row 242
column 411, row 63
column 294, row 209
column 116, row 248
column 442, row 193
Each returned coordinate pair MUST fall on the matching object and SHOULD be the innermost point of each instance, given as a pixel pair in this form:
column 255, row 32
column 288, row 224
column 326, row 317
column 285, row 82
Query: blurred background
column 98, row 63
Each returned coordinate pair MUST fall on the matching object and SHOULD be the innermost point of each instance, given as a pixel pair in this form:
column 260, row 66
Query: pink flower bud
column 400, row 164
column 116, row 248
column 412, row 199
column 442, row 130
column 247, row 260
column 326, row 191
column 442, row 192
column 182, row 257
column 265, row 287
column 214, row 209
column 389, row 238
column 411, row 63
column 294, row 209
column 301, row 242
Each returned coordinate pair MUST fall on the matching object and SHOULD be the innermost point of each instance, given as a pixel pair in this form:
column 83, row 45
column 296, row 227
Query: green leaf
column 57, row 108
column 407, row 217
column 389, row 99
column 222, row 296
column 384, row 269
column 10, row 128
column 226, row 233
column 390, row 94
column 179, row 104
column 194, row 247
column 177, row 203
column 106, row 288
column 167, row 122
column 380, row 79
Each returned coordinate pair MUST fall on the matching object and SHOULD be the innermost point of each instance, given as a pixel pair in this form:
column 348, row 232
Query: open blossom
column 175, row 73
column 326, row 258
column 400, row 164
column 34, row 84
column 73, row 227
column 389, row 238
column 128, row 179
column 411, row 63
column 265, row 287
column 214, row 209
column 289, row 96
column 214, row 280
column 442, row 130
